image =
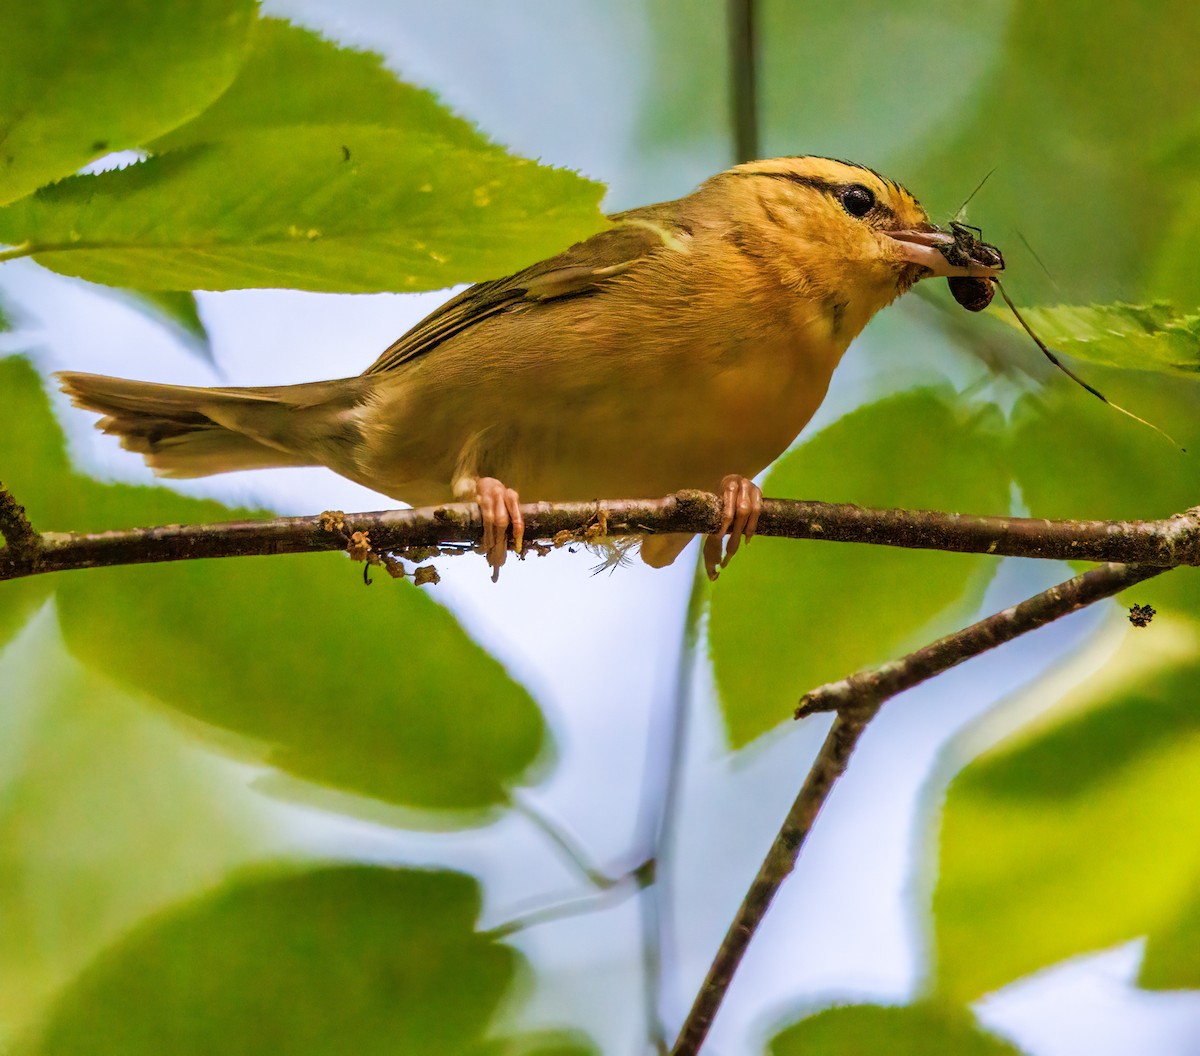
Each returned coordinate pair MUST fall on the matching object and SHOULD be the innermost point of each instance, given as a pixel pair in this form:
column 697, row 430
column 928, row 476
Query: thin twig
column 573, row 907
column 22, row 542
column 743, row 70
column 869, row 689
column 659, row 817
column 1168, row 542
column 25, row 249
column 569, row 848
column 830, row 764
column 857, row 700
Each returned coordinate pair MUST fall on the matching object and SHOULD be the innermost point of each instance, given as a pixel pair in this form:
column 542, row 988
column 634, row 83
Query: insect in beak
column 953, row 254
column 969, row 248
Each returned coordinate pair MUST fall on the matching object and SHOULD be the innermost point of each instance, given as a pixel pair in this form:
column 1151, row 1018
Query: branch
column 1164, row 543
column 22, row 543
column 867, row 690
column 856, row 700
column 743, row 54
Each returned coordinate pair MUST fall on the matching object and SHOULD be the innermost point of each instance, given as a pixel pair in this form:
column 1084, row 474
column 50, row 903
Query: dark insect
column 969, row 248
column 973, row 294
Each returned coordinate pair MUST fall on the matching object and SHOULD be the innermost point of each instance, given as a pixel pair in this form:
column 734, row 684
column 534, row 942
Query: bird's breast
column 567, row 406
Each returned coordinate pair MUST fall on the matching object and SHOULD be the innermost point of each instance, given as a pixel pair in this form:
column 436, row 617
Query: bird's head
column 845, row 232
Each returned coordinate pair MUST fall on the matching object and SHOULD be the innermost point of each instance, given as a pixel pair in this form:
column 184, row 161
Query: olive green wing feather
column 579, row 271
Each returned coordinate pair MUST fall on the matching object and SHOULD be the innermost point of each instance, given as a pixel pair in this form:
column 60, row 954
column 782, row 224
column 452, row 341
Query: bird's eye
column 856, row 199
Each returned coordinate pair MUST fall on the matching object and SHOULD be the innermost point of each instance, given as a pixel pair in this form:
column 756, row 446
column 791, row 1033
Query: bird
column 684, row 346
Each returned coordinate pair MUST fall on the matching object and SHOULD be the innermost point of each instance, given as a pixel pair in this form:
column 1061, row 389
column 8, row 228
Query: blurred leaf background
column 255, row 805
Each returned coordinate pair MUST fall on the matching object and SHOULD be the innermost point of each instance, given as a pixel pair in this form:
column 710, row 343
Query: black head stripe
column 830, row 187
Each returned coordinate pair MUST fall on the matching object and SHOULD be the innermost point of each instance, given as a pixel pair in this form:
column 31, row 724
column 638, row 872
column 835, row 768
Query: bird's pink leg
column 742, row 503
column 500, row 506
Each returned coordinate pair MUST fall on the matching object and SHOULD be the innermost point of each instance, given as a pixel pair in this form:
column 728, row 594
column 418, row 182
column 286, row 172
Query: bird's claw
column 741, row 506
column 500, row 507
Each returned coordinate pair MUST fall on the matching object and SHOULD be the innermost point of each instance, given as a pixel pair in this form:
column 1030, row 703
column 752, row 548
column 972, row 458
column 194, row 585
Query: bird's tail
column 185, row 431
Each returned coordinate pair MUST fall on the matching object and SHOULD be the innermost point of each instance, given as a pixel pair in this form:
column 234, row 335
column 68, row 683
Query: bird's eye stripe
column 831, row 187
column 817, row 183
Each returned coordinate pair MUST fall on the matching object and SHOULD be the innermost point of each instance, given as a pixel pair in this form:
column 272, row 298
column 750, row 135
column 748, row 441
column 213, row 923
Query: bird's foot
column 500, row 507
column 742, row 503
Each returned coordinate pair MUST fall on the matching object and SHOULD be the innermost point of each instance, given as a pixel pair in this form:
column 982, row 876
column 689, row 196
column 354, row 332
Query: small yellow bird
column 686, row 346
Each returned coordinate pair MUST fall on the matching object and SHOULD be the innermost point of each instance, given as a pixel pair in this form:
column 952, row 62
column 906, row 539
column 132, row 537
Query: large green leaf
column 292, row 77
column 350, row 208
column 81, row 78
column 1080, row 831
column 788, row 616
column 106, row 813
column 335, row 959
column 1135, row 337
column 32, row 461
column 376, row 691
column 877, row 1030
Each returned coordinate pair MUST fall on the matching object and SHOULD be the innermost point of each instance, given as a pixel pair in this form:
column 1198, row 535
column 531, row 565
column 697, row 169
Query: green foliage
column 293, row 79
column 1171, row 961
column 324, row 960
column 1073, row 457
column 1046, row 838
column 377, row 692
column 817, row 594
column 107, row 813
column 1134, row 337
column 78, row 80
column 806, row 107
column 316, row 170
column 330, row 208
column 875, row 1030
column 1083, row 183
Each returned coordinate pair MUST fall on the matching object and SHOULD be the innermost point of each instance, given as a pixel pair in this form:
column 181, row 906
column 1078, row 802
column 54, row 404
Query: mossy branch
column 1161, row 543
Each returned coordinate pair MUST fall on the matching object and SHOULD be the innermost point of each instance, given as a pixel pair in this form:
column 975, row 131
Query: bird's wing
column 584, row 268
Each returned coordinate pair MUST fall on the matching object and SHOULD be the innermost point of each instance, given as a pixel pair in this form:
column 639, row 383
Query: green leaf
column 876, row 1030
column 292, row 77
column 337, row 959
column 32, row 460
column 1172, row 960
column 178, row 309
column 817, row 593
column 349, row 208
column 1134, row 337
column 81, row 79
column 107, row 812
column 19, row 600
column 376, row 691
column 1079, row 832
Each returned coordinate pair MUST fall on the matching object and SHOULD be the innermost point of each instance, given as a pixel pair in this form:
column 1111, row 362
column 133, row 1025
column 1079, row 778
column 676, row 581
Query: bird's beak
column 932, row 248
